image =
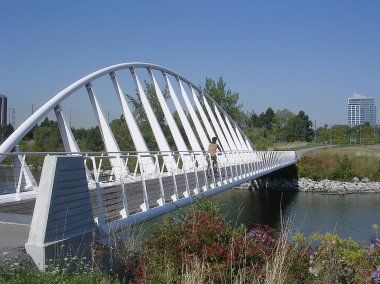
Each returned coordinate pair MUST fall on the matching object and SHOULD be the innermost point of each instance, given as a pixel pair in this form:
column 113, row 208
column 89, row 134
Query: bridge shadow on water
column 248, row 207
column 264, row 205
column 252, row 207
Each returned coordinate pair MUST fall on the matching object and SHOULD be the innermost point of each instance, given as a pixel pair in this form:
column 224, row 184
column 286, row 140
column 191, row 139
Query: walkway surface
column 14, row 232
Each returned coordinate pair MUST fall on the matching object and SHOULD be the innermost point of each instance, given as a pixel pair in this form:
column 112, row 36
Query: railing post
column 145, row 206
column 101, row 220
column 197, row 189
column 161, row 200
column 174, row 197
column 125, row 211
column 18, row 188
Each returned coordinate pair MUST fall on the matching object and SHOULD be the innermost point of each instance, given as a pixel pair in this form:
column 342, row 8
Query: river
column 349, row 215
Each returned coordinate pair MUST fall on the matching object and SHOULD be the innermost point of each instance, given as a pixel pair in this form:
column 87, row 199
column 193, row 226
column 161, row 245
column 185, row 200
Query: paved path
column 14, row 233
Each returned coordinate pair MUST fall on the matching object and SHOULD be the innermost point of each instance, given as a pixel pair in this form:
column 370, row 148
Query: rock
column 355, row 179
column 16, row 257
column 365, row 179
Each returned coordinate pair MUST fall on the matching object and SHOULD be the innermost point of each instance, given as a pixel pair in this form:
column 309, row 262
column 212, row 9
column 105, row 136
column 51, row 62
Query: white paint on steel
column 225, row 131
column 242, row 142
column 182, row 116
column 197, row 123
column 134, row 130
column 68, row 139
column 156, row 128
column 233, row 134
column 204, row 118
column 177, row 136
column 109, row 140
column 193, row 140
column 220, row 135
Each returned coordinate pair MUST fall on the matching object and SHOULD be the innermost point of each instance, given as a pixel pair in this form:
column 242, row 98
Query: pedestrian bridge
column 74, row 192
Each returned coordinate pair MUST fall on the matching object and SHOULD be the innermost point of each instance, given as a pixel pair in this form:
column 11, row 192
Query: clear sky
column 293, row 54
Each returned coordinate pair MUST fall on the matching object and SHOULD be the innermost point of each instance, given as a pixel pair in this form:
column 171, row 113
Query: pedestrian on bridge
column 212, row 148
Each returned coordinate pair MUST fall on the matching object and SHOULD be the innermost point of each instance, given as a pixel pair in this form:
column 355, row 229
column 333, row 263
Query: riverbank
column 307, row 185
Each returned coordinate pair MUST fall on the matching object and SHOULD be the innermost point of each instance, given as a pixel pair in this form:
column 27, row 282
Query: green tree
column 340, row 134
column 47, row 137
column 122, row 135
column 304, row 126
column 6, row 130
column 282, row 125
column 227, row 99
column 94, row 141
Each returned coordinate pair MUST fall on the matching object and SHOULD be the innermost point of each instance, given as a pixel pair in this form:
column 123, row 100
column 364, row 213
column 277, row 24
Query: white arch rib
column 224, row 129
column 157, row 131
column 233, row 134
column 219, row 132
column 109, row 140
column 68, row 139
column 197, row 123
column 178, row 139
column 206, row 122
column 137, row 138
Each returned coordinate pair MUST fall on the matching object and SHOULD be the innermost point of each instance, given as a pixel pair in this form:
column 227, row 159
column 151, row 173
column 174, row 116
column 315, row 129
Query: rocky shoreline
column 308, row 185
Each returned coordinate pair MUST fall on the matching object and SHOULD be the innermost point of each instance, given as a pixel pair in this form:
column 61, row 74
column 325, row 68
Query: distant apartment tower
column 361, row 109
column 3, row 109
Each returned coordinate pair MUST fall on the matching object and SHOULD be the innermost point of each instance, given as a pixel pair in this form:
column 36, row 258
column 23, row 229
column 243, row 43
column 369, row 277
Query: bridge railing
column 80, row 193
column 190, row 173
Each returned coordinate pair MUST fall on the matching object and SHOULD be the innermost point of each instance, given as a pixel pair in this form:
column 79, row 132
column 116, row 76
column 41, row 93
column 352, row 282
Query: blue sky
column 298, row 55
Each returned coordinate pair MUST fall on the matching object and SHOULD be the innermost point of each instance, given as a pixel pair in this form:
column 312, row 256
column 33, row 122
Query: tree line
column 264, row 129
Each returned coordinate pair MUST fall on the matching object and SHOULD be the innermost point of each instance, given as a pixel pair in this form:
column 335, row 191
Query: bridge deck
column 112, row 197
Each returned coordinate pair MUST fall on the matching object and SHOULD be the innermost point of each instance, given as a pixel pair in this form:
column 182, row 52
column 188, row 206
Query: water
column 348, row 216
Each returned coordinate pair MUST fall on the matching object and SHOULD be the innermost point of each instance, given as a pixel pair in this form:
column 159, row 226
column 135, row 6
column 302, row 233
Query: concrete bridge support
column 63, row 221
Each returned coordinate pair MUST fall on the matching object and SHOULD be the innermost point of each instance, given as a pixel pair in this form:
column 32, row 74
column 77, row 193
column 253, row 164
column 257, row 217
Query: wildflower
column 375, row 243
column 315, row 270
column 376, row 275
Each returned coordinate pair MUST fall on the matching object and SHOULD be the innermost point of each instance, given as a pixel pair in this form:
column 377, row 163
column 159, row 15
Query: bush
column 201, row 247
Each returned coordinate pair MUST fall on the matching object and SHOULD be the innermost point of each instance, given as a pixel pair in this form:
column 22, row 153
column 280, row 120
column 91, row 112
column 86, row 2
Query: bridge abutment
column 63, row 222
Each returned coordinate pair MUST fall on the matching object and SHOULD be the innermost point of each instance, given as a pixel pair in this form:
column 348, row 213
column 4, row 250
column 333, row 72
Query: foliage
column 122, row 134
column 290, row 127
column 202, row 243
column 47, row 137
column 336, row 166
column 5, row 131
column 227, row 99
column 54, row 274
column 204, row 235
column 336, row 260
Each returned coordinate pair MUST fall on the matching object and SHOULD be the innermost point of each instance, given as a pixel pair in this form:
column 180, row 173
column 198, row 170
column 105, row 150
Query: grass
column 365, row 150
column 343, row 163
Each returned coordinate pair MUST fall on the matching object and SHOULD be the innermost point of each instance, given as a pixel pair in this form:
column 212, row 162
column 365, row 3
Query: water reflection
column 349, row 215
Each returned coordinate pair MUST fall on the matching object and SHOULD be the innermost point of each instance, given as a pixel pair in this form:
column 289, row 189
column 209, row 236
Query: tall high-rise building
column 3, row 109
column 361, row 109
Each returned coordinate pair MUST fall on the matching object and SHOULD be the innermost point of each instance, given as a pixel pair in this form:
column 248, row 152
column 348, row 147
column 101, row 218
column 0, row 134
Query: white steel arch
column 195, row 108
